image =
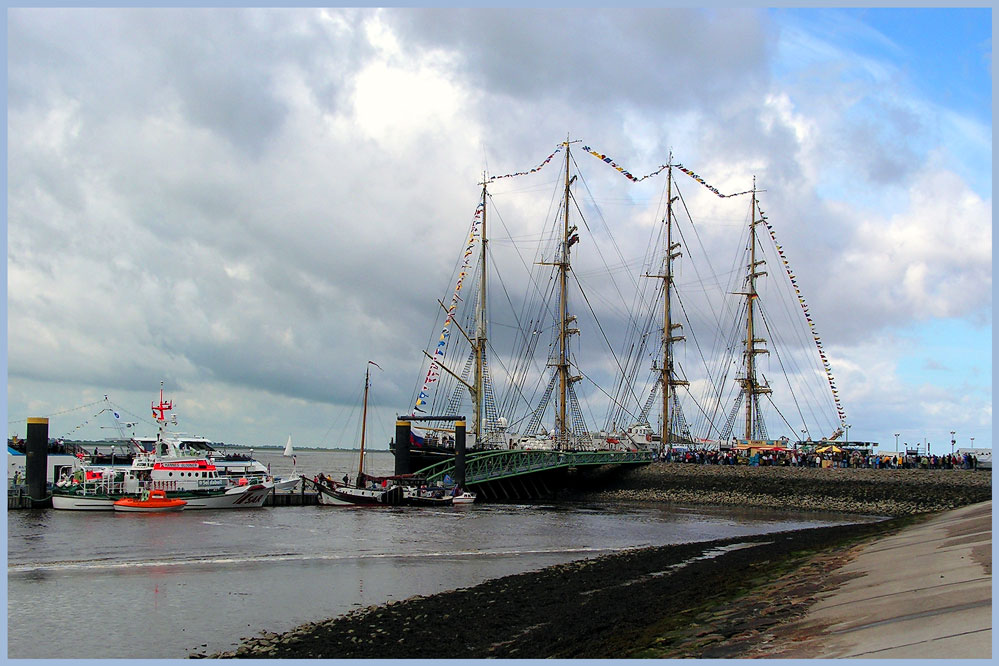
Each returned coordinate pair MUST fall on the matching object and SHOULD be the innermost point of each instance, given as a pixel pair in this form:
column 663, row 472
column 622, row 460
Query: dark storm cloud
column 664, row 60
column 164, row 150
column 219, row 68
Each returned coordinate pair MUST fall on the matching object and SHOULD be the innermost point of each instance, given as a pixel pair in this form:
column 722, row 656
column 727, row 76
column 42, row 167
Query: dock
column 17, row 498
column 293, row 498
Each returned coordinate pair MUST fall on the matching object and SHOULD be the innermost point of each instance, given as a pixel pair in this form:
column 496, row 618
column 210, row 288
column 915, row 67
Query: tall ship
column 639, row 386
column 459, row 375
column 735, row 324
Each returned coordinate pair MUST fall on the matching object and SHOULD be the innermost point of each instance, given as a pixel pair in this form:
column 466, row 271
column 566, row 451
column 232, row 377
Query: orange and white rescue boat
column 155, row 501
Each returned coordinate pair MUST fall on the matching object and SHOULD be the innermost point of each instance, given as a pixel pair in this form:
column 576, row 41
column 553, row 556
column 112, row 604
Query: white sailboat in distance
column 291, row 481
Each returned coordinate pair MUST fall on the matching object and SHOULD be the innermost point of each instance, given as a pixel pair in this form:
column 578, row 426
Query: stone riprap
column 882, row 492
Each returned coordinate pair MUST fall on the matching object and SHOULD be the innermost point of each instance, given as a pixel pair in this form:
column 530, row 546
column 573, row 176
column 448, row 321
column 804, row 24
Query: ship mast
column 666, row 377
column 364, row 423
column 480, row 331
column 750, row 386
column 563, row 356
column 667, row 380
column 565, row 381
column 569, row 238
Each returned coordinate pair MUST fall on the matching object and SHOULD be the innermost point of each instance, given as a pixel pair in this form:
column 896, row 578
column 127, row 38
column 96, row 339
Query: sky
column 247, row 205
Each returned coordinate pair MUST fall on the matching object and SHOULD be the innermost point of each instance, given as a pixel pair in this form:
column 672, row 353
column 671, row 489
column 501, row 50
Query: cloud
column 933, row 259
column 595, row 57
column 261, row 200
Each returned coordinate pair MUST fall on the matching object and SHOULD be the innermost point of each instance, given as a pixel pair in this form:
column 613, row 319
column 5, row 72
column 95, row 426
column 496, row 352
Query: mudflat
column 631, row 604
column 737, row 597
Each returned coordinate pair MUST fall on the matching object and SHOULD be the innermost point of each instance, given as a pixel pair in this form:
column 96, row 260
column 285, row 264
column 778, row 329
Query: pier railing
column 495, row 465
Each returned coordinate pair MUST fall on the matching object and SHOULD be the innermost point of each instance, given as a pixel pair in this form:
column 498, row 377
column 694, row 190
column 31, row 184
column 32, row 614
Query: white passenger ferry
column 193, row 478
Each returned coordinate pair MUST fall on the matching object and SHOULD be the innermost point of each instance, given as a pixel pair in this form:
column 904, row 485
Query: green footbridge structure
column 517, row 474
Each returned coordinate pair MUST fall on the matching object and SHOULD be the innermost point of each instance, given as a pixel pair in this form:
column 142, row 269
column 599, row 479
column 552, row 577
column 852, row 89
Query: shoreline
column 936, row 603
column 707, row 599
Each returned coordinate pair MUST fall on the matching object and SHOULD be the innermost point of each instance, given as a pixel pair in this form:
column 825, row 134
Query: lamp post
column 846, row 427
column 896, row 442
column 951, row 443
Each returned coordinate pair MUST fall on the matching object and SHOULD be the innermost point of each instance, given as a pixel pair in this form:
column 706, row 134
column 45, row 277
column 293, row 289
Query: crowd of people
column 812, row 458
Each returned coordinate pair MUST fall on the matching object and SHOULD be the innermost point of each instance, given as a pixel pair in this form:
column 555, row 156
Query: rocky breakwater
column 883, row 492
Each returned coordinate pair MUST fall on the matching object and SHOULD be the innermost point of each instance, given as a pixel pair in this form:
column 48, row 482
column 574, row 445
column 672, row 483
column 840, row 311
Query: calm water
column 102, row 584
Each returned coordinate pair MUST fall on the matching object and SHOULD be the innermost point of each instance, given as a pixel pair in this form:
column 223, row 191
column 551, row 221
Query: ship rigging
column 539, row 403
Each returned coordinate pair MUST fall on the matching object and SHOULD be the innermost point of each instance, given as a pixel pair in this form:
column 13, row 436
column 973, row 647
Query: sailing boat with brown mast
column 365, row 489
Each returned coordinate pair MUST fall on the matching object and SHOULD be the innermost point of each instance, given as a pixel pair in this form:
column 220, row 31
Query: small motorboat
column 153, row 501
column 439, row 496
column 463, row 498
column 424, row 496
